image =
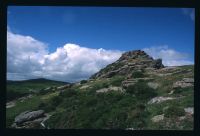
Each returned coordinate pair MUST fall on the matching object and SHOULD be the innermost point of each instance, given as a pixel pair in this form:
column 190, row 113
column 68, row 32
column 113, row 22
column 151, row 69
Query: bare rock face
column 128, row 62
column 157, row 64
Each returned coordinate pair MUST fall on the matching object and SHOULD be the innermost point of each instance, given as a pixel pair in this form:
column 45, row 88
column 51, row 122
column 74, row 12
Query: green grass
column 16, row 89
column 29, row 104
column 76, row 108
column 142, row 91
column 173, row 111
column 138, row 74
column 103, row 110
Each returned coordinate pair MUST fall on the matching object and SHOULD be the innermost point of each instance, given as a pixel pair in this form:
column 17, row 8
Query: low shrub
column 83, row 81
column 45, row 91
column 174, row 111
column 11, row 95
column 69, row 93
column 137, row 74
column 116, row 81
column 141, row 90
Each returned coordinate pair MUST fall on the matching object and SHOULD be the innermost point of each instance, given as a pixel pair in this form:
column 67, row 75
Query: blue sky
column 111, row 28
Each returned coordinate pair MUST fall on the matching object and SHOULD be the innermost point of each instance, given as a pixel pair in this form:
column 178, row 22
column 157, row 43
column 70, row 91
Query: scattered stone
column 130, row 129
column 171, row 92
column 144, row 79
column 33, row 119
column 185, row 82
column 64, row 87
column 157, row 118
column 111, row 88
column 160, row 99
column 84, row 86
column 45, row 119
column 103, row 90
column 168, row 69
column 128, row 82
column 182, row 118
column 22, row 99
column 48, row 89
column 28, row 116
column 10, row 104
column 163, row 75
column 110, row 74
column 153, row 85
column 189, row 110
column 115, row 88
column 188, row 80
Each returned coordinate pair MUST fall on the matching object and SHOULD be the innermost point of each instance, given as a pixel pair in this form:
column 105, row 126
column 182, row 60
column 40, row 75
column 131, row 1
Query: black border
column 110, row 3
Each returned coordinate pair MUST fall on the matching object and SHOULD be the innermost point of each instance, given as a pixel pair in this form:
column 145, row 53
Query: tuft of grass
column 83, row 81
column 174, row 111
column 29, row 104
column 117, row 80
column 141, row 90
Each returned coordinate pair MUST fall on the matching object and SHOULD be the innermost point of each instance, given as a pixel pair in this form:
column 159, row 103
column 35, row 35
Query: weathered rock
column 103, row 90
column 144, row 79
column 47, row 116
column 110, row 74
column 185, row 82
column 157, row 118
column 115, row 88
column 171, row 92
column 10, row 104
column 153, row 85
column 128, row 82
column 189, row 110
column 160, row 99
column 22, row 99
column 28, row 116
column 111, row 88
column 188, row 80
column 130, row 129
column 48, row 89
column 128, row 62
column 157, row 64
column 64, row 87
column 84, row 86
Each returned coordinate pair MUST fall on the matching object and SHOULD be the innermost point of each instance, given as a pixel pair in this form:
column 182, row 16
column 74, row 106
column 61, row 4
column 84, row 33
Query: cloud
column 189, row 12
column 29, row 58
column 169, row 56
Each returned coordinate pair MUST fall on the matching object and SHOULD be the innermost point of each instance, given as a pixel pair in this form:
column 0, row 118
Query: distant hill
column 38, row 80
column 17, row 89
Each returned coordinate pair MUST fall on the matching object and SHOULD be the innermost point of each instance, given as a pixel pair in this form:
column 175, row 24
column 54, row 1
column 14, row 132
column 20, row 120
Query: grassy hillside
column 16, row 89
column 82, row 106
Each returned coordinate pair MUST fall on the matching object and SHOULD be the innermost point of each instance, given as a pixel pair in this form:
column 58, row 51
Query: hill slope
column 135, row 92
column 16, row 89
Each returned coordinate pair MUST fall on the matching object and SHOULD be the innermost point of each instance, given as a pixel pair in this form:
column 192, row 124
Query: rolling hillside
column 134, row 93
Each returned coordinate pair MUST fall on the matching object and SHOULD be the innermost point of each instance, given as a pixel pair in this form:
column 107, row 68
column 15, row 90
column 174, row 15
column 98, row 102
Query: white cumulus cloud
column 170, row 57
column 29, row 58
